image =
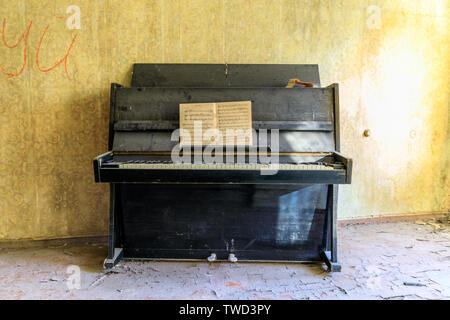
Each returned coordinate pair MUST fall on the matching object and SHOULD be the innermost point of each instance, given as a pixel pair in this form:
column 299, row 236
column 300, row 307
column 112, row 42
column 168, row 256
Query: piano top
column 178, row 75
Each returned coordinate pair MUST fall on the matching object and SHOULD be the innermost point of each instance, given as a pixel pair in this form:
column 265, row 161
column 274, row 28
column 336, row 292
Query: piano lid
column 221, row 75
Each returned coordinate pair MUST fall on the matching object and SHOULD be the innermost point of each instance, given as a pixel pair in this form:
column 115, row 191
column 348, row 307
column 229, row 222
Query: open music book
column 222, row 123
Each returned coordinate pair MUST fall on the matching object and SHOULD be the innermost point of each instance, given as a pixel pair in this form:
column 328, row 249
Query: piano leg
column 332, row 266
column 330, row 256
column 111, row 262
column 115, row 253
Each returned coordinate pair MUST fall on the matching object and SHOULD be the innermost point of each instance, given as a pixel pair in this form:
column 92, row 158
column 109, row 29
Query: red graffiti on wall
column 24, row 37
column 59, row 62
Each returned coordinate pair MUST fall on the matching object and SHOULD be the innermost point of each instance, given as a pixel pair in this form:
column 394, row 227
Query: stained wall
column 391, row 59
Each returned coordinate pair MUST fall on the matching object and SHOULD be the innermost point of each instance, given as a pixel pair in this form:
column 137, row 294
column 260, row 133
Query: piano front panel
column 256, row 222
column 146, row 117
column 268, row 104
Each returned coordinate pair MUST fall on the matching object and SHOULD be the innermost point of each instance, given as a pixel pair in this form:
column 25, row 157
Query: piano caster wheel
column 232, row 258
column 212, row 257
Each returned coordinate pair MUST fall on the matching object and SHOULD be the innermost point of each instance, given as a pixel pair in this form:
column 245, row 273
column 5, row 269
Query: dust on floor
column 402, row 260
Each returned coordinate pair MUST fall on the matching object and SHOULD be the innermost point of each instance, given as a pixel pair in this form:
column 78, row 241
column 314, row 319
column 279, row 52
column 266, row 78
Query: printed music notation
column 232, row 122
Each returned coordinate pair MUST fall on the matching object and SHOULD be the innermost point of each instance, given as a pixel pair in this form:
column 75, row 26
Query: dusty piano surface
column 161, row 209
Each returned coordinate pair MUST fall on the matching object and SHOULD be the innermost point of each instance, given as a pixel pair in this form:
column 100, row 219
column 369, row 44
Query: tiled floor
column 402, row 260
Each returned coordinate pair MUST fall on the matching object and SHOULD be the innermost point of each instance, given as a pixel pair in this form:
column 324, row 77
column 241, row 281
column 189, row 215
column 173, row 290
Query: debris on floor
column 437, row 223
column 391, row 261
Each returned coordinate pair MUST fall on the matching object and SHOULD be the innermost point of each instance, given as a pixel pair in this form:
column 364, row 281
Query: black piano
column 162, row 210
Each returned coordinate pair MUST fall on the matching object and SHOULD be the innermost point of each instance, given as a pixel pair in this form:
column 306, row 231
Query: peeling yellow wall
column 393, row 74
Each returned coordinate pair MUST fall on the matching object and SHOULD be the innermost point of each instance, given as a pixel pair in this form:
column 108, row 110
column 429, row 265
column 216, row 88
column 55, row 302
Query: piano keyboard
column 231, row 166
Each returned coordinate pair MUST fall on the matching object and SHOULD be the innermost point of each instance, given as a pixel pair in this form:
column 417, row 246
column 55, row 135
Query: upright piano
column 163, row 210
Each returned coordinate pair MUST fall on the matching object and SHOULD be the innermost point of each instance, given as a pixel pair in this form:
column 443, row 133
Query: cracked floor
column 401, row 260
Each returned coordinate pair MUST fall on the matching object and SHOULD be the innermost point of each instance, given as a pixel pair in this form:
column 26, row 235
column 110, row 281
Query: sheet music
column 222, row 116
column 191, row 112
column 235, row 115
